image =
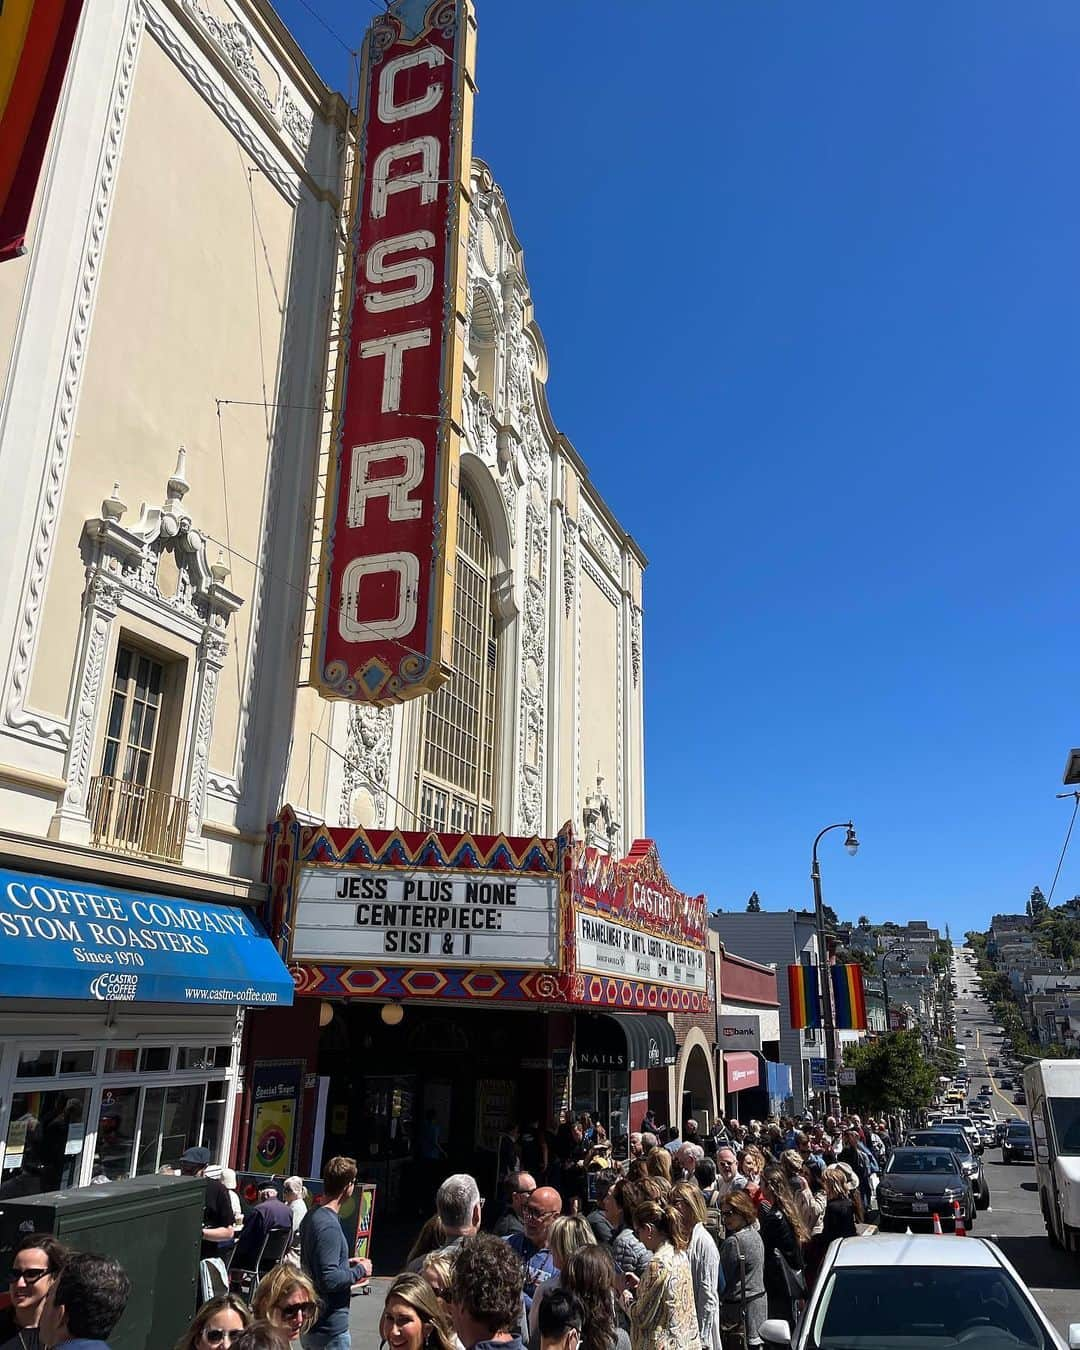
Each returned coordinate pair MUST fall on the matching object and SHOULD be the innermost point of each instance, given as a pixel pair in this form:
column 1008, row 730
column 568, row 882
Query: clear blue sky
column 808, row 277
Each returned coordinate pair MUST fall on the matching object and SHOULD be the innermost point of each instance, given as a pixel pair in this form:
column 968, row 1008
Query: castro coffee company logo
column 114, row 987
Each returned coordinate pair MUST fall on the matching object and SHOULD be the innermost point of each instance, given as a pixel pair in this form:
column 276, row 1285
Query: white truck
column 1053, row 1102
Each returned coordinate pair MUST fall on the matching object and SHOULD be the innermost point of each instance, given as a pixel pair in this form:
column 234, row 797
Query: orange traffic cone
column 958, row 1220
column 937, row 1225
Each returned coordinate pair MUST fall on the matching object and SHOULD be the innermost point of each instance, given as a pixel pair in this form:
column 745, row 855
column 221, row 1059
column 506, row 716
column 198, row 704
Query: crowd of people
column 690, row 1243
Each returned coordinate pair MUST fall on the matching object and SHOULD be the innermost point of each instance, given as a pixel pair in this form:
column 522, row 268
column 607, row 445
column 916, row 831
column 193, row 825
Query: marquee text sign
column 630, row 922
column 427, row 918
column 606, row 948
column 383, row 621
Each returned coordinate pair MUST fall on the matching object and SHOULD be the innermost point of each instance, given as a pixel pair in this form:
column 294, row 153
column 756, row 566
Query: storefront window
column 36, row 1064
column 44, row 1145
column 155, row 1059
column 77, row 1061
column 121, row 1061
column 116, row 1132
column 171, row 1123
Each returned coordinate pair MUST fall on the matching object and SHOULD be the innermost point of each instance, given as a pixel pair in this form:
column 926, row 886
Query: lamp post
column 851, row 843
column 896, row 947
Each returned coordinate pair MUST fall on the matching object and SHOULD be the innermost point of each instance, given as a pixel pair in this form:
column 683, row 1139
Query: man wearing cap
column 218, row 1228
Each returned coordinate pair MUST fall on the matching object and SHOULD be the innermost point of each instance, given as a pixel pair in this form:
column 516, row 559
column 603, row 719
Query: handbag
column 794, row 1280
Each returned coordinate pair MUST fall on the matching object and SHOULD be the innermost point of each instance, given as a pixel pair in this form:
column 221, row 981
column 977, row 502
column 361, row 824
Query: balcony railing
column 129, row 818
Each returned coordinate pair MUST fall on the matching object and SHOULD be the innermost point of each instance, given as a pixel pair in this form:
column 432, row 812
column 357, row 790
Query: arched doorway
column 697, row 1092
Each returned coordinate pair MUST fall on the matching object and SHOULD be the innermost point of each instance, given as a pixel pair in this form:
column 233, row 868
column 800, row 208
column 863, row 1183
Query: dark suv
column 1017, row 1142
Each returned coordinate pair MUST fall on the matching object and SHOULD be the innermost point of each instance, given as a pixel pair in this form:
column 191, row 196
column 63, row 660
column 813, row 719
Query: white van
column 1053, row 1101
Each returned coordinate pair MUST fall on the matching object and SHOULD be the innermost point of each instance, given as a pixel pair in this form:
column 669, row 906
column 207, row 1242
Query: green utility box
column 151, row 1225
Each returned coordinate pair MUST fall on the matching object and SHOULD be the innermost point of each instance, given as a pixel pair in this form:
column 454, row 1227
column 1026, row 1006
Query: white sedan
column 898, row 1291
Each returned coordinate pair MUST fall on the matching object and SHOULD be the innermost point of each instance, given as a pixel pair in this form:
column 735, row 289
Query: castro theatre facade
column 454, row 986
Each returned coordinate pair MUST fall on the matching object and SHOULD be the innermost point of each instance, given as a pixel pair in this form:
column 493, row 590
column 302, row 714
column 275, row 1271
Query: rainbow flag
column 849, row 997
column 804, row 995
column 35, row 43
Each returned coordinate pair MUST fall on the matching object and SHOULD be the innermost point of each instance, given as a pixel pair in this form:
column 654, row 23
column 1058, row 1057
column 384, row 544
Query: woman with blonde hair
column 218, row 1323
column 569, row 1233
column 704, row 1257
column 287, row 1298
column 661, row 1308
column 840, row 1216
column 751, row 1165
column 811, row 1204
column 437, row 1269
column 658, row 1161
column 413, row 1318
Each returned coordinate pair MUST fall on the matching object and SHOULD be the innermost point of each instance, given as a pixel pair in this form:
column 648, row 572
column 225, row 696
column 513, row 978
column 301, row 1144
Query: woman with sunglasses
column 742, row 1269
column 413, row 1318
column 287, row 1298
column 218, row 1325
column 34, row 1268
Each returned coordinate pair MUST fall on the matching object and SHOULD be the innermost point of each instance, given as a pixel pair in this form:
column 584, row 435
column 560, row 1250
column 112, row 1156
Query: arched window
column 457, row 785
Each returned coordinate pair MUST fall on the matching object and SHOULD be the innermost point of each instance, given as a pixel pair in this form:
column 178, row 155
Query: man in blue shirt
column 85, row 1303
column 324, row 1254
column 538, row 1265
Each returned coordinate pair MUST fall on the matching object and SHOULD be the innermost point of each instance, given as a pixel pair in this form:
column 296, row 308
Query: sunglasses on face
column 215, row 1335
column 291, row 1310
column 27, row 1276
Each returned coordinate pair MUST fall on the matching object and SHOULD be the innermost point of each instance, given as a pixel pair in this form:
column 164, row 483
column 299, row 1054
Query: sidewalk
column 365, row 1311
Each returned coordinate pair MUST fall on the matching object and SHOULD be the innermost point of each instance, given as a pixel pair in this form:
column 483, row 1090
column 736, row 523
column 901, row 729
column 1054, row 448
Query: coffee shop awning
column 74, row 939
column 615, row 1040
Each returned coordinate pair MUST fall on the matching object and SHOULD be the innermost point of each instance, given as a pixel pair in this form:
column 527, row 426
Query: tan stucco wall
column 175, row 327
column 599, row 709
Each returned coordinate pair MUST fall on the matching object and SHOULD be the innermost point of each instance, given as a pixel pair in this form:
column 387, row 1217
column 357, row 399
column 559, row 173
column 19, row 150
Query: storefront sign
column 383, row 621
column 64, row 938
column 276, row 1087
column 738, row 1032
column 741, row 1071
column 444, row 918
column 608, row 948
column 817, row 1073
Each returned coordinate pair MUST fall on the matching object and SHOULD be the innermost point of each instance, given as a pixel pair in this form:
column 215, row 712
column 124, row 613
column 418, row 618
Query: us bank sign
column 383, row 618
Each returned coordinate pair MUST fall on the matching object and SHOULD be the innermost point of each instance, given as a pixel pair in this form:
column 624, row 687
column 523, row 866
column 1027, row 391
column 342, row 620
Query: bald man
column 541, row 1210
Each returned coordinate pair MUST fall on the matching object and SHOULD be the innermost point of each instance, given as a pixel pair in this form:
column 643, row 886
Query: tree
column 832, row 923
column 753, row 905
column 891, row 1073
column 864, row 921
column 1037, row 906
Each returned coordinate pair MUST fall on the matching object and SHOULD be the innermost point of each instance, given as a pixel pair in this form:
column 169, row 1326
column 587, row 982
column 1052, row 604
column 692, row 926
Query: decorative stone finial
column 177, row 488
column 112, row 508
column 220, row 570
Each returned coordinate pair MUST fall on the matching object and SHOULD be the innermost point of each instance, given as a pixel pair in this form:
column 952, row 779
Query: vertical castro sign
column 384, row 615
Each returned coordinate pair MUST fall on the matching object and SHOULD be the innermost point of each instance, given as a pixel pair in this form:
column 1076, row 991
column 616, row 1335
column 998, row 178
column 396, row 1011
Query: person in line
column 459, row 1210
column 217, row 1325
column 686, row 1161
column 751, row 1166
column 85, row 1303
column 811, row 1203
column 532, row 1247
column 228, row 1180
column 324, row 1254
column 658, row 1163
column 486, row 1293
column 728, row 1176
column 705, row 1176
column 704, row 1257
column 569, row 1233
column 219, row 1226
column 34, row 1268
column 858, row 1158
column 293, row 1194
column 742, row 1270
column 262, row 1336
column 287, row 1299
column 271, row 1212
column 629, row 1255
column 601, row 1225
column 561, row 1321
column 783, row 1233
column 589, row 1276
column 839, row 1217
column 413, row 1318
column 520, row 1186
column 661, row 1307
column 431, row 1238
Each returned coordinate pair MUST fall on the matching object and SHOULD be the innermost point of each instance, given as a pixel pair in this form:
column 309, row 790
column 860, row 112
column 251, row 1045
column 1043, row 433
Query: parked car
column 915, row 1291
column 1007, row 1083
column 1020, row 1097
column 1017, row 1142
column 918, row 1183
column 946, row 1136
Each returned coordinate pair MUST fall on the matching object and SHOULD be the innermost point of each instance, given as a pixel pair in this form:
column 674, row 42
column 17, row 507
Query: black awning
column 635, row 1041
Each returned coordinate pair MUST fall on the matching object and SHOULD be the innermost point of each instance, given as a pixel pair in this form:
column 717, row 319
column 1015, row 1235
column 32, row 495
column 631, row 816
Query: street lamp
column 896, row 947
column 851, row 843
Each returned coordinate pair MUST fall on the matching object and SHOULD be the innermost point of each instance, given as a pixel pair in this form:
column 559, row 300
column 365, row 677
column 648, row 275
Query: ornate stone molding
column 569, row 560
column 224, row 103
column 635, row 642
column 600, row 542
column 18, row 717
column 367, row 761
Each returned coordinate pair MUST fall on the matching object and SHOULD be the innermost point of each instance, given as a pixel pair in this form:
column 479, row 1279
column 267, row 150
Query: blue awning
column 62, row 938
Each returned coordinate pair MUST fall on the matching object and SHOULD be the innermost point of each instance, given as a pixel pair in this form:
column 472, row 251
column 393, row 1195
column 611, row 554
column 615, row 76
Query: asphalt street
column 1013, row 1220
